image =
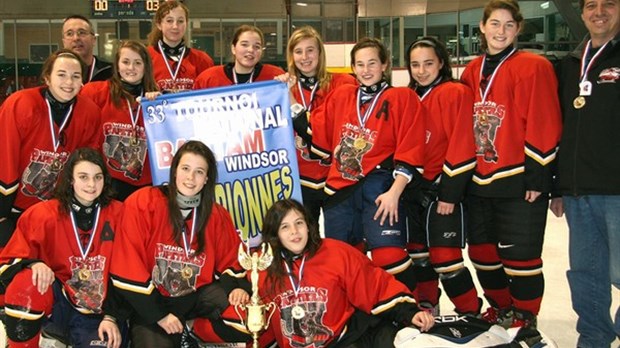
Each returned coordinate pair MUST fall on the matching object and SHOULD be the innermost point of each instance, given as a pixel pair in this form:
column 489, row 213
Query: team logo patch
column 610, row 75
column 86, row 283
column 174, row 273
column 487, row 120
column 40, row 176
column 125, row 149
column 355, row 142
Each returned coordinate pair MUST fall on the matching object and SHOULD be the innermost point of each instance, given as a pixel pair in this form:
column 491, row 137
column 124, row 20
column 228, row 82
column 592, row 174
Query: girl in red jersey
column 175, row 65
column 434, row 209
column 310, row 84
column 41, row 126
column 373, row 135
column 517, row 127
column 58, row 261
column 174, row 243
column 247, row 50
column 326, row 292
column 123, row 135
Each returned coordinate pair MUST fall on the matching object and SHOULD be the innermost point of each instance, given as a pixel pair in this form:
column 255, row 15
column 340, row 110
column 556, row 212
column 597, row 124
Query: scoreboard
column 124, row 9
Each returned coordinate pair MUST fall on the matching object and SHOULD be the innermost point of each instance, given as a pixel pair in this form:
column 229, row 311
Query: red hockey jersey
column 450, row 152
column 147, row 258
column 217, row 77
column 123, row 146
column 194, row 62
column 30, row 166
column 395, row 129
column 337, row 280
column 313, row 172
column 44, row 234
column 517, row 128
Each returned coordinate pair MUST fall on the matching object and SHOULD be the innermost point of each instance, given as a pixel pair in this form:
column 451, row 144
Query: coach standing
column 589, row 170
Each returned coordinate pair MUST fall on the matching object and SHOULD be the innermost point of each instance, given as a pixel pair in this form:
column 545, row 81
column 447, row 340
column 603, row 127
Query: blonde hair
column 308, row 32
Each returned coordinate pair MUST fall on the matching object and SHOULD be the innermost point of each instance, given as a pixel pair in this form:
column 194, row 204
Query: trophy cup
column 258, row 314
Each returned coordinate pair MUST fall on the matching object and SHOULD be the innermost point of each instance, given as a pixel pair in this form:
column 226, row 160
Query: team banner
column 249, row 129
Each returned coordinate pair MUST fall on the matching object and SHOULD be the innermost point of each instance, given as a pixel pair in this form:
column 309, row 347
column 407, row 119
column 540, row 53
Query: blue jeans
column 594, row 250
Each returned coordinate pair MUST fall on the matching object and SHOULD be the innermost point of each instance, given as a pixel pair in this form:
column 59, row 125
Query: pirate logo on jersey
column 302, row 317
column 355, row 142
column 174, row 273
column 86, row 285
column 609, row 75
column 41, row 174
column 487, row 120
column 125, row 149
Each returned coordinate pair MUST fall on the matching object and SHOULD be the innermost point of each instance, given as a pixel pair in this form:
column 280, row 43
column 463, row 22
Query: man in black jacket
column 589, row 171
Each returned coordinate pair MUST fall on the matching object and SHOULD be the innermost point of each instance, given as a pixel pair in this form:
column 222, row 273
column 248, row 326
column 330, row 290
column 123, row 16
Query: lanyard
column 586, row 68
column 134, row 117
column 83, row 252
column 484, row 95
column 187, row 245
column 56, row 136
column 296, row 287
column 308, row 105
column 92, row 69
column 369, row 111
column 176, row 71
column 236, row 81
column 430, row 88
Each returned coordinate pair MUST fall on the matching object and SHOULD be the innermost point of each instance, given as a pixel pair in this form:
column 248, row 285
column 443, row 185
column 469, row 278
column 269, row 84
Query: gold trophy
column 258, row 313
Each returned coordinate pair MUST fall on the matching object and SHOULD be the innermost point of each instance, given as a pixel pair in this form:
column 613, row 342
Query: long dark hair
column 207, row 195
column 511, row 6
column 440, row 51
column 271, row 225
column 117, row 92
column 64, row 188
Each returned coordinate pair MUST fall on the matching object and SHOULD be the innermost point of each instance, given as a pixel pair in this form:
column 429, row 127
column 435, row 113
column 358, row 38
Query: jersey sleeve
column 410, row 133
column 10, row 149
column 460, row 161
column 24, row 247
column 373, row 290
column 128, row 269
column 543, row 123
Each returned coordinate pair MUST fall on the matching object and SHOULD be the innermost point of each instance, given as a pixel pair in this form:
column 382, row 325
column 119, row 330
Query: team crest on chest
column 175, row 273
column 355, row 142
column 125, row 149
column 487, row 120
column 86, row 283
column 609, row 75
column 302, row 317
column 42, row 172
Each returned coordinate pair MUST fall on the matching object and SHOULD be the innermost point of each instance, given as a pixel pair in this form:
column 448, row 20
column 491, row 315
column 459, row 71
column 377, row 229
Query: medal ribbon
column 234, row 73
column 92, row 69
column 431, row 88
column 484, row 95
column 187, row 246
column 56, row 136
column 176, row 71
column 584, row 68
column 369, row 111
column 297, row 287
column 83, row 252
column 134, row 117
column 307, row 106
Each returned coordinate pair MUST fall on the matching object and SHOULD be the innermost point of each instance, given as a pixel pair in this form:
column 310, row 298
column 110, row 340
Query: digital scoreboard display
column 124, row 9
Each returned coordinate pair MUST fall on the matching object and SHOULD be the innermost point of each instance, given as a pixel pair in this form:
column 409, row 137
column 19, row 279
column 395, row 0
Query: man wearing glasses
column 78, row 35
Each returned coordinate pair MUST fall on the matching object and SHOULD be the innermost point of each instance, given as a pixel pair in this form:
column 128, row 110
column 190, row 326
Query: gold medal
column 297, row 312
column 359, row 143
column 187, row 272
column 134, row 141
column 308, row 115
column 56, row 165
column 84, row 274
column 579, row 102
column 482, row 117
